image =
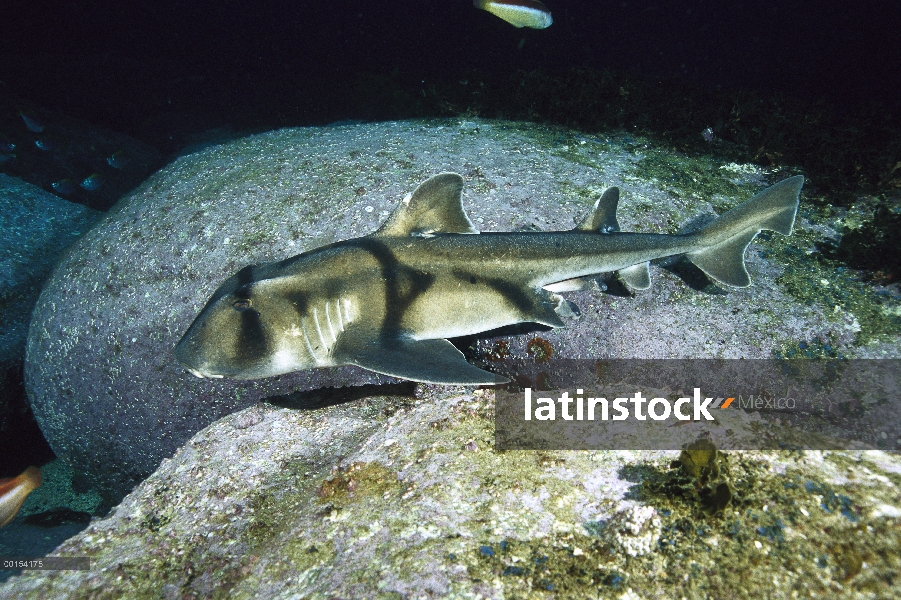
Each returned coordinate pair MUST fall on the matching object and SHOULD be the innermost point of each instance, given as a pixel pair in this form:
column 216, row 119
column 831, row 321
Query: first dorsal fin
column 602, row 219
column 434, row 207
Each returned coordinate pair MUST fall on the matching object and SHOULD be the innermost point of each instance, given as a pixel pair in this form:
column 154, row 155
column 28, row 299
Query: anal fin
column 427, row 361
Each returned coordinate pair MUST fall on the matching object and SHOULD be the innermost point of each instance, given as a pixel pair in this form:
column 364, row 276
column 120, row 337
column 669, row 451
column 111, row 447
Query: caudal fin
column 724, row 241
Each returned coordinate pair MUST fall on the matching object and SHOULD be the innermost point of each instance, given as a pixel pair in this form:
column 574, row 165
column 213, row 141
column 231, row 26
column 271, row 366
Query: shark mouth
column 197, row 373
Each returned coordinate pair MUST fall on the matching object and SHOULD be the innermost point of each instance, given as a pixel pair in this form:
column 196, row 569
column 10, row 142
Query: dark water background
column 157, row 69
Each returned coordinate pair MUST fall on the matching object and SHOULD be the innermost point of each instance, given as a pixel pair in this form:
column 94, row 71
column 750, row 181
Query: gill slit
column 328, row 320
column 319, row 329
column 338, row 311
column 306, row 338
column 348, row 316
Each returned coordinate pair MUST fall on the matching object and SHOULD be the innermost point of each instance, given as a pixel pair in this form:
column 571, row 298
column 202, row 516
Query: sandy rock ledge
column 405, row 497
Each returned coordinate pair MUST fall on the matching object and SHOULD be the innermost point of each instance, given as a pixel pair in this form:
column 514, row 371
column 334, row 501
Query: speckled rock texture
column 100, row 373
column 406, row 498
column 35, row 228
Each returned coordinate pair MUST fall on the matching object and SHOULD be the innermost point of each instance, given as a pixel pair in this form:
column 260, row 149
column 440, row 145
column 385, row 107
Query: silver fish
column 519, row 13
column 93, row 182
column 31, row 123
column 64, row 187
column 387, row 301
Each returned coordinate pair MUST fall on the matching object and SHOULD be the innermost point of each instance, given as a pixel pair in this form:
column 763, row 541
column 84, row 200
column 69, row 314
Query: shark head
column 248, row 329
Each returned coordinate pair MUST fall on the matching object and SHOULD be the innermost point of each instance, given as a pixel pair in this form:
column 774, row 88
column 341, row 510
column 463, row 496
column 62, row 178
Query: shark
column 389, row 301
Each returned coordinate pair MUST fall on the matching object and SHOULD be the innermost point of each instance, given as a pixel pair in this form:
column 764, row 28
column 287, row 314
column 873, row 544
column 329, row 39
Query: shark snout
column 190, row 353
column 187, row 354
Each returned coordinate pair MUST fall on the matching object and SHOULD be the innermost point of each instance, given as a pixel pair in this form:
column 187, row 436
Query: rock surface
column 400, row 497
column 35, row 228
column 113, row 402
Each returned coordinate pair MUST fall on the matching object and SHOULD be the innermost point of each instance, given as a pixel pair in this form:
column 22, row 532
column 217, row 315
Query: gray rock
column 100, row 374
column 35, row 229
column 407, row 498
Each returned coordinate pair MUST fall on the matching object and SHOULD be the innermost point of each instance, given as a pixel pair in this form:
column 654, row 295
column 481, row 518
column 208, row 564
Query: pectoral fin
column 428, row 361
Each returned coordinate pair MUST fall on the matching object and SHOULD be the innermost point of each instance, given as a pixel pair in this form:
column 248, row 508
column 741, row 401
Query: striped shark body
column 388, row 301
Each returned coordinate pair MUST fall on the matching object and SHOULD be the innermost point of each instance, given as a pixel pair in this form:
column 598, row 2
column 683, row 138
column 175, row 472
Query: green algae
column 548, row 568
column 873, row 243
column 358, row 481
column 813, row 349
column 814, row 279
column 770, row 530
column 699, row 177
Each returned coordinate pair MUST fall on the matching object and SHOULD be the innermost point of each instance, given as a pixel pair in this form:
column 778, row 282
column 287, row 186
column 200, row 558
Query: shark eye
column 241, row 305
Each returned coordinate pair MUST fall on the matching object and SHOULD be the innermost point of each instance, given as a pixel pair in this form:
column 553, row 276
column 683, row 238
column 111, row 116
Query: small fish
column 31, row 123
column 45, row 144
column 64, row 187
column 13, row 492
column 519, row 13
column 93, row 181
column 6, row 145
column 117, row 160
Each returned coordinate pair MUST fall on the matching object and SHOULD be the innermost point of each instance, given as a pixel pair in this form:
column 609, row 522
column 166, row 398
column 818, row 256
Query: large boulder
column 393, row 497
column 35, row 228
column 100, row 373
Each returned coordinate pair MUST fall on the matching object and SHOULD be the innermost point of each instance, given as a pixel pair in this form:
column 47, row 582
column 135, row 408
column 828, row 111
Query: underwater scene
column 450, row 299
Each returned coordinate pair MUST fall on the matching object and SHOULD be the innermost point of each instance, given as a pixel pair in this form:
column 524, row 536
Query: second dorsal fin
column 434, row 207
column 637, row 276
column 602, row 219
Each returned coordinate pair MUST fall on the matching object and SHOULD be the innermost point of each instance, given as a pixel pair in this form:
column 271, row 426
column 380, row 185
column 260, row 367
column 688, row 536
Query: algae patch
column 358, row 481
column 814, row 279
column 698, row 176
